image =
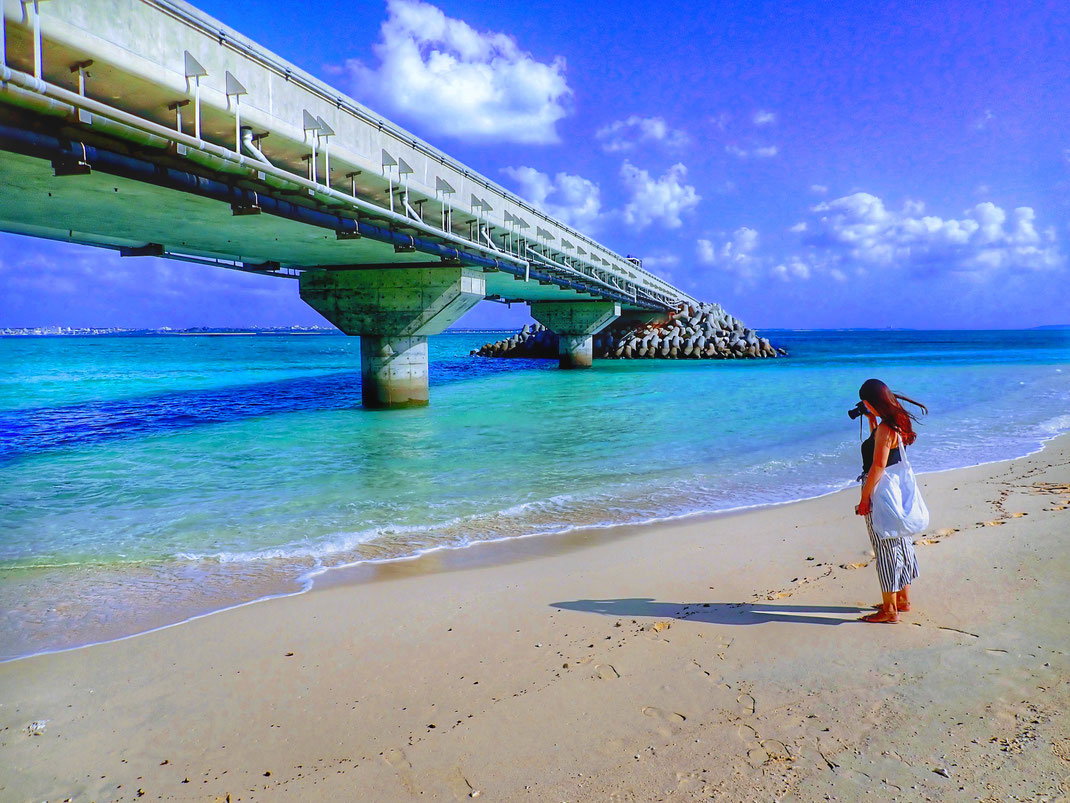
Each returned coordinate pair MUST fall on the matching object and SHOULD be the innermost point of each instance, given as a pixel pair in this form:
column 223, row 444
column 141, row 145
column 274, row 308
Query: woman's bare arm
column 882, row 445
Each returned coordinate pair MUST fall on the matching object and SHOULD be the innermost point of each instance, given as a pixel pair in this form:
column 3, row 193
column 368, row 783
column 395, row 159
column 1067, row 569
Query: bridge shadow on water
column 720, row 613
column 40, row 429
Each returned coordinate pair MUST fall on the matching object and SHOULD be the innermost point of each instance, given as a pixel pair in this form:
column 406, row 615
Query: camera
column 857, row 410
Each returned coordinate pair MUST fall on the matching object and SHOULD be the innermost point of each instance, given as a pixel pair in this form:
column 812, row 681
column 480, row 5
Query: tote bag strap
column 902, row 448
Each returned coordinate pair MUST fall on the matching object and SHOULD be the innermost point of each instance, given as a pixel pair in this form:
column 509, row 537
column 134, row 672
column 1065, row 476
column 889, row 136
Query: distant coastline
column 95, row 331
column 208, row 331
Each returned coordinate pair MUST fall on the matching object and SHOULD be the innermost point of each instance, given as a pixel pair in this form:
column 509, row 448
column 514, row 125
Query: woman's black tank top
column 867, row 452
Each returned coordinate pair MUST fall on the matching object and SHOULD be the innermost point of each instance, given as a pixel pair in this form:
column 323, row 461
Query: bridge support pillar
column 393, row 311
column 575, row 322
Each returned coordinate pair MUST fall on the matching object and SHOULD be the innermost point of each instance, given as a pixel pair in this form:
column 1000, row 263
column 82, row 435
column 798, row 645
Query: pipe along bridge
column 148, row 127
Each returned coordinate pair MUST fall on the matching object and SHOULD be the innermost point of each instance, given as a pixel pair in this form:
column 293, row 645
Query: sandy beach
column 708, row 659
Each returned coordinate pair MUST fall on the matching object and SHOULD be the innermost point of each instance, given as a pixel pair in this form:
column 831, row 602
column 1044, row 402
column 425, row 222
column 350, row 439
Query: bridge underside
column 149, row 127
column 47, row 196
column 134, row 216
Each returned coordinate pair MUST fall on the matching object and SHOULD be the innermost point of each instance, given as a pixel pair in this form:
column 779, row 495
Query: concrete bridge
column 148, row 127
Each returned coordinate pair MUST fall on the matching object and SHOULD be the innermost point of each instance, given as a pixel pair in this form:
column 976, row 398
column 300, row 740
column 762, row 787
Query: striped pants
column 897, row 565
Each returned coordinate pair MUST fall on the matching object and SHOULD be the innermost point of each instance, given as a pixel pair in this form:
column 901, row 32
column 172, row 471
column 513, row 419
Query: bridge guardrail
column 620, row 281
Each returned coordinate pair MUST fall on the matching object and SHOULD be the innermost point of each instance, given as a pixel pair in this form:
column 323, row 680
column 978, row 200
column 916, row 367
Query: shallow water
column 146, row 479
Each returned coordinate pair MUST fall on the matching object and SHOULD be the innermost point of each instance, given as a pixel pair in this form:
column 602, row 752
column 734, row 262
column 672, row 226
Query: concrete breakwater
column 694, row 332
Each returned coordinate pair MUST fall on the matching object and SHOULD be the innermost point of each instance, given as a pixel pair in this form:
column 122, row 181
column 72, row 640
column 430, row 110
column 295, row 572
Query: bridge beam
column 575, row 322
column 643, row 317
column 393, row 312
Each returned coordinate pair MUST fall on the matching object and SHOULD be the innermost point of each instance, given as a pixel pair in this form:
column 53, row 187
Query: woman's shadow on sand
column 721, row 613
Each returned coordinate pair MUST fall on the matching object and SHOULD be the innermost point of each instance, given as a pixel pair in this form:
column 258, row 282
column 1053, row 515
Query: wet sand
column 706, row 659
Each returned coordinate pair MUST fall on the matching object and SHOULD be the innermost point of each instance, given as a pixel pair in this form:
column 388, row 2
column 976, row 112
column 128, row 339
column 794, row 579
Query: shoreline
column 499, row 552
column 708, row 658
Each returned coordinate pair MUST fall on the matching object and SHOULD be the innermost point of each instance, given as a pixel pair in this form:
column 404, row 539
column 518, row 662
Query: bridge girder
column 127, row 174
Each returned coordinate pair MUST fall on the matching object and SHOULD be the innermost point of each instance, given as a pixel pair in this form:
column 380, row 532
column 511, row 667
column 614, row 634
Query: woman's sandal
column 880, row 618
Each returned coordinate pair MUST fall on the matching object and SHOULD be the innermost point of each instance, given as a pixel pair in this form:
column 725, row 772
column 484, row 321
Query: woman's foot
column 881, row 617
column 902, row 607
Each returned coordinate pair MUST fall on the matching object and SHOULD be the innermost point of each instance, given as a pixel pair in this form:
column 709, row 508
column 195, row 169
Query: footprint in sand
column 811, row 756
column 459, row 786
column 766, row 750
column 1061, row 748
column 776, row 750
column 747, row 733
column 690, row 781
column 747, row 703
column 722, row 646
column 754, row 755
column 396, row 759
column 656, row 631
column 859, row 565
column 662, row 714
column 696, row 670
column 993, row 523
column 400, row 762
column 606, row 672
column 943, row 532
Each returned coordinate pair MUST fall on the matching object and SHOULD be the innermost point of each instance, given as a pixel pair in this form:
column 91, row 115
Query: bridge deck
column 332, row 163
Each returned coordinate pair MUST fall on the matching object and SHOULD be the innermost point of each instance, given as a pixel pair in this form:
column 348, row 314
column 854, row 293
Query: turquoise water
column 147, row 478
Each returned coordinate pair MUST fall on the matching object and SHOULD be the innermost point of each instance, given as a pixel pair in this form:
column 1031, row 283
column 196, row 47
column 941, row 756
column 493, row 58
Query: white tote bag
column 898, row 509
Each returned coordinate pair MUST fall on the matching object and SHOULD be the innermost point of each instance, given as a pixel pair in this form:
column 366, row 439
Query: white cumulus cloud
column 984, row 120
column 757, row 152
column 860, row 230
column 763, row 117
column 735, row 250
column 53, row 283
column 662, row 199
column 461, row 82
column 571, row 199
column 626, row 135
column 706, row 251
column 661, row 261
column 792, row 268
column 721, row 120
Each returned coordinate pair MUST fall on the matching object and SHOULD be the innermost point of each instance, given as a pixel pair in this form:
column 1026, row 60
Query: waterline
column 220, row 480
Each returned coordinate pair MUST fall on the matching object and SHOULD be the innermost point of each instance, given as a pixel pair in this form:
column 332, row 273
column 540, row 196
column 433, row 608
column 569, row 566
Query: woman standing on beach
column 897, row 565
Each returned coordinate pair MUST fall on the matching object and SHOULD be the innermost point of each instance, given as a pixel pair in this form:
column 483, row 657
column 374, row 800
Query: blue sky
column 804, row 164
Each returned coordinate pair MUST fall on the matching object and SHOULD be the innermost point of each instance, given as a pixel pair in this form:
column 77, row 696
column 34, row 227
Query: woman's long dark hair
column 887, row 405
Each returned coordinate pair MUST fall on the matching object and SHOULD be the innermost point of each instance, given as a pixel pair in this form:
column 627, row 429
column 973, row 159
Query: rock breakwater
column 691, row 332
